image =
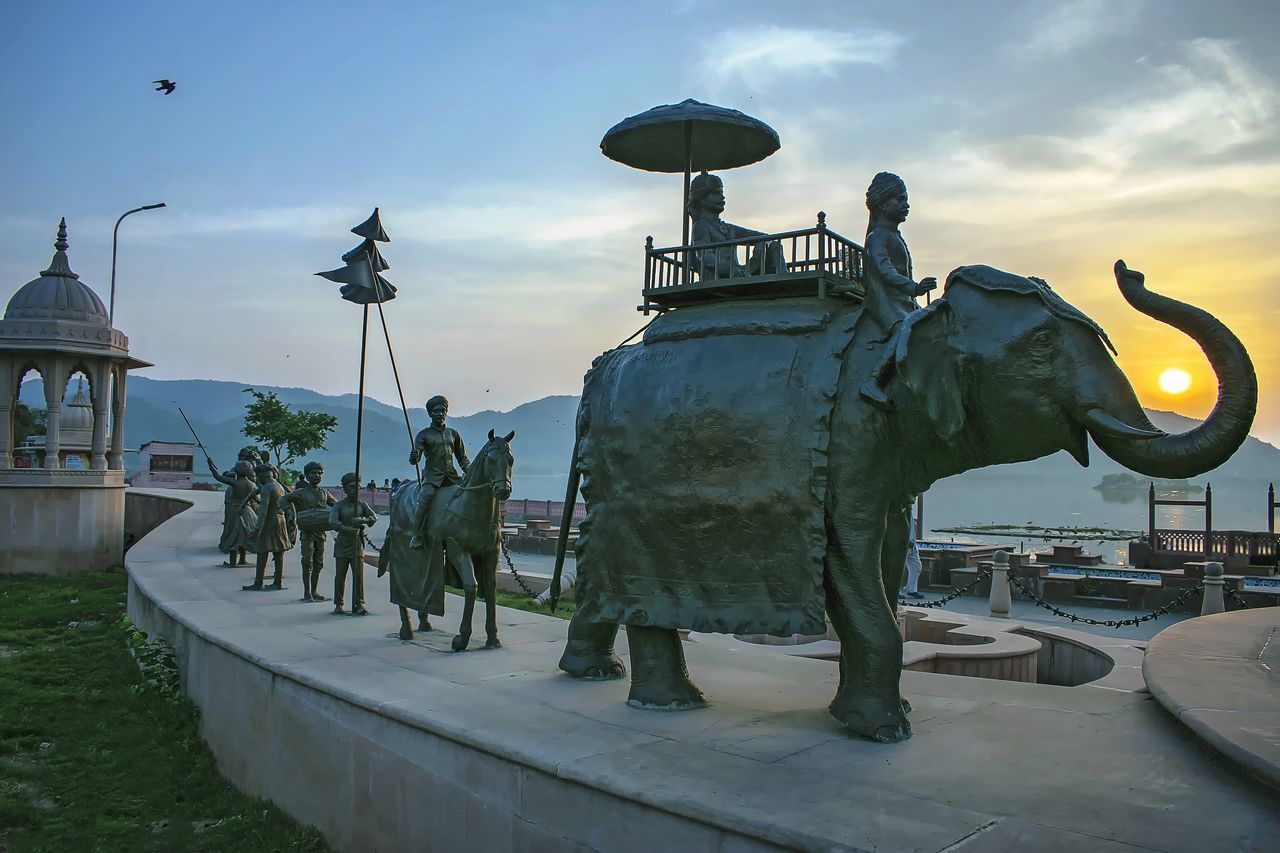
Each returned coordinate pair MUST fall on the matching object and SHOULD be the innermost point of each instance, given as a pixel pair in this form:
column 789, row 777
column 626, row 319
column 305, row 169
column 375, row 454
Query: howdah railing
column 809, row 251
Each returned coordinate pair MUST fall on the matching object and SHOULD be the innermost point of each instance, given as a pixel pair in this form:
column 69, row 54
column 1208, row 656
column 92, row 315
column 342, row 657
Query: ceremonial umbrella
column 687, row 137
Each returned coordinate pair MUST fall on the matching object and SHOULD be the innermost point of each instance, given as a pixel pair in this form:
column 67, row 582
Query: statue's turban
column 884, row 186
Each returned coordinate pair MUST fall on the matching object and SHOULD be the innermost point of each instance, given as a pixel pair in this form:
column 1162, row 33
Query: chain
column 954, row 594
column 1057, row 611
column 1234, row 595
column 512, row 568
column 369, row 542
column 1107, row 623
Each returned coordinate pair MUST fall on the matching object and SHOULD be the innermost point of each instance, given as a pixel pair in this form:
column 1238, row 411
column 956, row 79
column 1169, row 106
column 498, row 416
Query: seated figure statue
column 706, row 203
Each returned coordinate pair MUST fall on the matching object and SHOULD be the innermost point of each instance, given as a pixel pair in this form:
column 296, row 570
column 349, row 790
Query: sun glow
column 1175, row 381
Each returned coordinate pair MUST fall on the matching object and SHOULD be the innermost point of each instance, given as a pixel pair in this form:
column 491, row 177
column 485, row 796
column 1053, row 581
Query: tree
column 28, row 421
column 286, row 433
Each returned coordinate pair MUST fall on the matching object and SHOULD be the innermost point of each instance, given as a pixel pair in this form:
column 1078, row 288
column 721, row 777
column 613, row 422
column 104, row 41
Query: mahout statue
column 311, row 504
column 239, row 515
column 463, row 533
column 438, row 446
column 737, row 481
column 273, row 534
column 233, row 526
column 706, row 203
column 350, row 517
column 890, row 290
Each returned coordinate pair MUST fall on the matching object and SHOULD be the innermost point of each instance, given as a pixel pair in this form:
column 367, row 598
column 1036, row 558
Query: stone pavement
column 1220, row 675
column 992, row 766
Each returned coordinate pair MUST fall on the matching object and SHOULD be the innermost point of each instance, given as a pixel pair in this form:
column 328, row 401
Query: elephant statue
column 736, row 482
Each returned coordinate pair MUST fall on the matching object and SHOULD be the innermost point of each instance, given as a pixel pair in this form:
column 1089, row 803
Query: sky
column 1047, row 139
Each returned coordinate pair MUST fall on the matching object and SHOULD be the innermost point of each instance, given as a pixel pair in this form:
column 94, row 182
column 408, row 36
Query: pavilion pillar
column 101, row 411
column 55, row 388
column 8, row 401
column 117, row 421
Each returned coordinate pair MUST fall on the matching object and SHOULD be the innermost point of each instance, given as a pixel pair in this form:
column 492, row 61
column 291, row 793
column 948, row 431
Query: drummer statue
column 438, row 446
column 350, row 516
column 311, row 504
column 706, row 203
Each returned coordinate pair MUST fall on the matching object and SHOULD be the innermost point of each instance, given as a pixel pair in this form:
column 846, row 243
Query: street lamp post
column 115, row 238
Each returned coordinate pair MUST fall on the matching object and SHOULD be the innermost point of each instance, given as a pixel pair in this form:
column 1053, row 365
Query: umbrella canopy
column 689, row 136
column 686, row 137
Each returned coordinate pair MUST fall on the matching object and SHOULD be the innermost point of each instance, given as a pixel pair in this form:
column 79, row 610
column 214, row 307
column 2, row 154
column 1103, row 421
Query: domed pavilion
column 63, row 518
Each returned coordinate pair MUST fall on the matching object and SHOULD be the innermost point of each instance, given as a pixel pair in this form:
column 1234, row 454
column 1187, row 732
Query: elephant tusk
column 1098, row 420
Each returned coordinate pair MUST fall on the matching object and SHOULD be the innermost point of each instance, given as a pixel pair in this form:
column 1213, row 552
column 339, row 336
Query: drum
column 313, row 520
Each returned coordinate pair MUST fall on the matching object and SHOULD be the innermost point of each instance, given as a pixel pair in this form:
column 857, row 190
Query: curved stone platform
column 403, row 746
column 1220, row 675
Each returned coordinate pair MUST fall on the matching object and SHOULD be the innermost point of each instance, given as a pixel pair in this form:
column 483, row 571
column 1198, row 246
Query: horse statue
column 463, row 535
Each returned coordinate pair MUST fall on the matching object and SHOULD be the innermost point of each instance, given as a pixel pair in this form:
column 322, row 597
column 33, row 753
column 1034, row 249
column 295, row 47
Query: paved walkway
column 992, row 765
column 1220, row 675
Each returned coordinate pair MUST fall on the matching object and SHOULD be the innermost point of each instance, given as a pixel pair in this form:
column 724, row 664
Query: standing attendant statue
column 231, row 501
column 239, row 517
column 891, row 291
column 311, row 505
column 350, row 516
column 706, row 203
column 437, row 446
column 272, row 536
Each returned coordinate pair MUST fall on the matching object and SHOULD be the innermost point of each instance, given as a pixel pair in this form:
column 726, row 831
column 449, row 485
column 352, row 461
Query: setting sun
column 1175, row 381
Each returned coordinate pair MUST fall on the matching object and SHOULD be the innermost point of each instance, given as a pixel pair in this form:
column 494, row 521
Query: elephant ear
column 929, row 366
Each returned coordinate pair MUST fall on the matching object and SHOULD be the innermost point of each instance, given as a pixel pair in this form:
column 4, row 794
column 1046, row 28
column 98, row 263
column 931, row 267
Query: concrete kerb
column 496, row 748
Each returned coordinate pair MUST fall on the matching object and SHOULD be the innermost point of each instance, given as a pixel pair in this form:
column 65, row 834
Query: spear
column 199, row 444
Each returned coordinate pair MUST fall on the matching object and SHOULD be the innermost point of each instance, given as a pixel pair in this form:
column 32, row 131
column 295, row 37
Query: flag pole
column 364, row 334
column 390, row 352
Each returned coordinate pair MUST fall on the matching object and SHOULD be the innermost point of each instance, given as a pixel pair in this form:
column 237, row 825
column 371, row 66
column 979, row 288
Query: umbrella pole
column 684, row 206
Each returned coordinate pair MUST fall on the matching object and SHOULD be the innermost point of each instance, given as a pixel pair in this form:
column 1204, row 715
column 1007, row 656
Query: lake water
column 994, row 497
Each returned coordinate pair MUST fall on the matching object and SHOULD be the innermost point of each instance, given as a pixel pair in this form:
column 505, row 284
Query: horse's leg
column 489, row 569
column 406, row 629
column 462, row 562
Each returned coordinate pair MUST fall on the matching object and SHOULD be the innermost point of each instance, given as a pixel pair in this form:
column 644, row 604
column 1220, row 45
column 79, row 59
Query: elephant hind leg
column 659, row 677
column 589, row 653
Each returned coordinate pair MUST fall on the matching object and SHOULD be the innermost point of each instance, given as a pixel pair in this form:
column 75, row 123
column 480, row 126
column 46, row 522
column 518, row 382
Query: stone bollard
column 1000, row 598
column 1212, row 598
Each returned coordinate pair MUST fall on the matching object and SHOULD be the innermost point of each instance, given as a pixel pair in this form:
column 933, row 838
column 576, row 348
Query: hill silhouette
column 544, row 434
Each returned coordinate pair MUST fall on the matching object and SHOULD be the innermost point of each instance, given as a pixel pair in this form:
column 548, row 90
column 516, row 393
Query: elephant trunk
column 1211, row 443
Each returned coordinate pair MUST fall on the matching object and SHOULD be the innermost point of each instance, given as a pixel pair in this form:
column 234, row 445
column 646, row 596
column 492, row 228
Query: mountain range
column 543, row 443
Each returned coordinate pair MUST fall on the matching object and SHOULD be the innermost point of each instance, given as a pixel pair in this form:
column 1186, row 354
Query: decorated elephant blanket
column 703, row 452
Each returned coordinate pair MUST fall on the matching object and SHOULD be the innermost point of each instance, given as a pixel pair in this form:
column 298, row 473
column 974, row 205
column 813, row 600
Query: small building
column 166, row 465
column 67, row 515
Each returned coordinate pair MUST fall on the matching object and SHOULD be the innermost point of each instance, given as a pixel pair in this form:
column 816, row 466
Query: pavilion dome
column 78, row 413
column 58, row 294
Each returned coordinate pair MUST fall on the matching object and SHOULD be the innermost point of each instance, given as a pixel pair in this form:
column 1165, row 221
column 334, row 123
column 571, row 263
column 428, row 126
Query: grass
column 519, row 601
column 96, row 756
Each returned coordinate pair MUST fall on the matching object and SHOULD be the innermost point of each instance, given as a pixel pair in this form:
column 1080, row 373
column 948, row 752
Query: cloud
column 758, row 56
column 1071, row 26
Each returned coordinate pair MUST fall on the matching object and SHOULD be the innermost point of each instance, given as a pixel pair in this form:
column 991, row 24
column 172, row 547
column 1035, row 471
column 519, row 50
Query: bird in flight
column 166, row 86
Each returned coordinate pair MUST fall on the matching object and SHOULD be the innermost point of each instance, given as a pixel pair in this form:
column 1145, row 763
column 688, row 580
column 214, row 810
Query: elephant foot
column 424, row 625
column 598, row 666
column 493, row 643
column 406, row 632
column 676, row 693
column 882, row 718
column 459, row 643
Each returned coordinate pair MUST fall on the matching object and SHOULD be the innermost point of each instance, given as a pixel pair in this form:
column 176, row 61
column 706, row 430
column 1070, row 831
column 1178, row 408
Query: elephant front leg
column 868, row 701
column 893, row 559
column 589, row 653
column 659, row 677
column 406, row 628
